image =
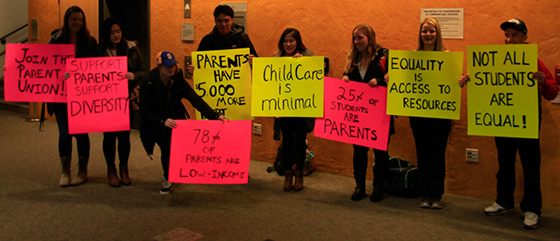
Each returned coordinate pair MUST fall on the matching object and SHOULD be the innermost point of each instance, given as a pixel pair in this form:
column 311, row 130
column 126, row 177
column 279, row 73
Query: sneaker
column 531, row 220
column 166, row 187
column 497, row 209
column 438, row 204
column 425, row 203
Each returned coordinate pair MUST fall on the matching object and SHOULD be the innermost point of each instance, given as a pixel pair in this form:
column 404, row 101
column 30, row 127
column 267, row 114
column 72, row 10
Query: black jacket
column 235, row 40
column 159, row 102
column 134, row 60
column 83, row 49
column 374, row 70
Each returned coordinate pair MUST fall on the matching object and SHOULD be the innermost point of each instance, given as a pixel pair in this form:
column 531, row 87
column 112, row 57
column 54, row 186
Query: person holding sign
column 363, row 65
column 161, row 104
column 225, row 35
column 294, row 129
column 114, row 44
column 74, row 31
column 515, row 32
column 430, row 134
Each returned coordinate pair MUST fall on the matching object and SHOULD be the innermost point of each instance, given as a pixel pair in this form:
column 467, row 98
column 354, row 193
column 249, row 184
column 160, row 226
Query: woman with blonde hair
column 430, row 134
column 363, row 65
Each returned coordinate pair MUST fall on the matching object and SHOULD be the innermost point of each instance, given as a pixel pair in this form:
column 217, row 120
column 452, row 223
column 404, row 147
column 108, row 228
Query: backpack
column 403, row 178
column 308, row 165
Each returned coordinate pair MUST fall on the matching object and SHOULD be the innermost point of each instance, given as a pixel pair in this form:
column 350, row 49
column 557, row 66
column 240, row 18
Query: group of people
column 74, row 31
column 164, row 87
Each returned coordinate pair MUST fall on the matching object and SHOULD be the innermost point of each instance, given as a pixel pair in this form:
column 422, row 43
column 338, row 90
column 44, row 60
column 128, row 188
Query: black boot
column 377, row 194
column 360, row 191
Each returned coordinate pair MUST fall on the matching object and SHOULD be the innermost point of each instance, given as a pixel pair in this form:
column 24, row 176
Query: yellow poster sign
column 424, row 84
column 288, row 87
column 223, row 79
column 502, row 95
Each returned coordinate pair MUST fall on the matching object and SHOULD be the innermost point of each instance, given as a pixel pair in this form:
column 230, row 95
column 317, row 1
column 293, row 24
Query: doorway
column 135, row 18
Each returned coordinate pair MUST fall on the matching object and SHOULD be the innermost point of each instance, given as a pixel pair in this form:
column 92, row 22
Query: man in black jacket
column 225, row 35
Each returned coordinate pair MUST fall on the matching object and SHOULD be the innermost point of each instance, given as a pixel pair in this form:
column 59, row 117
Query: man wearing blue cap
column 515, row 32
column 161, row 105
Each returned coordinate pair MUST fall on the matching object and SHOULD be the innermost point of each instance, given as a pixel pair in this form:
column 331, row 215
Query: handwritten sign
column 502, row 95
column 288, row 87
column 35, row 72
column 223, row 79
column 210, row 152
column 98, row 95
column 355, row 114
column 425, row 84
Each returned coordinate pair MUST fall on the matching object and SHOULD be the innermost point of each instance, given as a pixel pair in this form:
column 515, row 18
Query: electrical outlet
column 257, row 129
column 472, row 155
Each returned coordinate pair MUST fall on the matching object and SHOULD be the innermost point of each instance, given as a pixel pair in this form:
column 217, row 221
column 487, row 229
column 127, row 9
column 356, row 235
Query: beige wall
column 326, row 29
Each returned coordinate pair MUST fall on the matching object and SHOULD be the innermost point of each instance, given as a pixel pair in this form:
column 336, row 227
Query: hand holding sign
column 354, row 113
column 34, row 72
column 98, row 95
column 423, row 84
column 503, row 93
column 223, row 80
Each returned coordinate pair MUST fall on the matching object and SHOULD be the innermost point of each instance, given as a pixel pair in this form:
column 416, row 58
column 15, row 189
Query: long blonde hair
column 439, row 40
column 353, row 55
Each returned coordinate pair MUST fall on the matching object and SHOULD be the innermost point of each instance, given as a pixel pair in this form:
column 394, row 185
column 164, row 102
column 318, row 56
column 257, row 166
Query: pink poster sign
column 355, row 113
column 97, row 95
column 210, row 152
column 35, row 72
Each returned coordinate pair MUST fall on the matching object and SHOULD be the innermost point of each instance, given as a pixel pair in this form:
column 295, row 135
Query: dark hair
column 300, row 48
column 122, row 46
column 225, row 9
column 83, row 36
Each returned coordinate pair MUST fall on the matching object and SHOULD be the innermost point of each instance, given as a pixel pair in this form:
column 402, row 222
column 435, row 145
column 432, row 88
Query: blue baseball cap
column 166, row 59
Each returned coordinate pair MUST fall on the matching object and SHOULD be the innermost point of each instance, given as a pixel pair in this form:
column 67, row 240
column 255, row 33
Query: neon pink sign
column 210, row 152
column 355, row 113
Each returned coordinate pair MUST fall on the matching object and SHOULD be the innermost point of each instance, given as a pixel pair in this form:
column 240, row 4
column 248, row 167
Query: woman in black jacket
column 74, row 31
column 363, row 65
column 113, row 44
column 161, row 104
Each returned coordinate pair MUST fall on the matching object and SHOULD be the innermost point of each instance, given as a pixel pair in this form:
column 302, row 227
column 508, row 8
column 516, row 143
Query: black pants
column 109, row 147
column 380, row 169
column 110, row 142
column 294, row 132
column 64, row 138
column 530, row 155
column 430, row 137
column 163, row 140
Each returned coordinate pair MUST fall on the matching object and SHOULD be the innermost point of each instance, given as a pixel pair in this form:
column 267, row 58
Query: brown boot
column 125, row 179
column 298, row 185
column 112, row 177
column 66, row 162
column 82, row 172
column 288, row 180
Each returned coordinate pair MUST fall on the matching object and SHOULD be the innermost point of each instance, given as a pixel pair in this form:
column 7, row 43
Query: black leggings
column 109, row 147
column 110, row 142
column 64, row 138
column 294, row 132
column 380, row 169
